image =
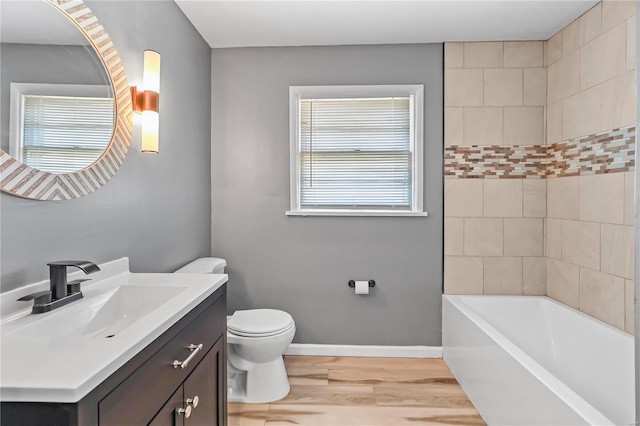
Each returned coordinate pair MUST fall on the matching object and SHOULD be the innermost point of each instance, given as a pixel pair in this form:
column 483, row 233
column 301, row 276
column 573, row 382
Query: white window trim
column 16, row 109
column 361, row 91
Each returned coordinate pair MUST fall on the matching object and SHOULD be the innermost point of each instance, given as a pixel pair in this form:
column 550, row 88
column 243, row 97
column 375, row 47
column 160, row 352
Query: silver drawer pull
column 185, row 411
column 194, row 351
column 193, row 401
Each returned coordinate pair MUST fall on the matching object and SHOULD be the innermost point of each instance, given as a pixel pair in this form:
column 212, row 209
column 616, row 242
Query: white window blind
column 356, row 153
column 61, row 134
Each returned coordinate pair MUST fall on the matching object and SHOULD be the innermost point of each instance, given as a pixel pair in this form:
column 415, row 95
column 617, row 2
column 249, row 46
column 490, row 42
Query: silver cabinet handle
column 185, row 411
column 194, row 351
column 193, row 401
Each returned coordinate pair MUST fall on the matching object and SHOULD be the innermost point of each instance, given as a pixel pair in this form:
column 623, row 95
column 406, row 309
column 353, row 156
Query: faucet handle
column 74, row 286
column 39, row 298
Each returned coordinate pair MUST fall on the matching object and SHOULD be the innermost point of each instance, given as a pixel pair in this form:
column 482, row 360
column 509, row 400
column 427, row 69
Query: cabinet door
column 168, row 414
column 207, row 382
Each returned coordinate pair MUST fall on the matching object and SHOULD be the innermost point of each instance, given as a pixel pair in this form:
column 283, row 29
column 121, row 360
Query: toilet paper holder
column 352, row 283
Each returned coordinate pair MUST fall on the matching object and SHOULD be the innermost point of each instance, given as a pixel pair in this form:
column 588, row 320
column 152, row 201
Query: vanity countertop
column 61, row 356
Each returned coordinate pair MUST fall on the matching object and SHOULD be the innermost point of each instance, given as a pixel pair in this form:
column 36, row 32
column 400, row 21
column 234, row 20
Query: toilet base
column 265, row 382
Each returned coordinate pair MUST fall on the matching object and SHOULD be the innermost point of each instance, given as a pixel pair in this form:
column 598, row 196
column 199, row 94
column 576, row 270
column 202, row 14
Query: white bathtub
column 527, row 360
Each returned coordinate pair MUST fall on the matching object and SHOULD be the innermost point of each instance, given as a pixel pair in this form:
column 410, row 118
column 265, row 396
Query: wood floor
column 351, row 391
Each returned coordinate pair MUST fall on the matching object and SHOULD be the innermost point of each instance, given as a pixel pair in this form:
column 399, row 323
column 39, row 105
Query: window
column 356, row 150
column 60, row 128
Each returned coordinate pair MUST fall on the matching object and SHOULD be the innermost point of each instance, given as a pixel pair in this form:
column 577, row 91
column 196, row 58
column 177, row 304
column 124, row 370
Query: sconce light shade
column 151, row 76
column 147, row 101
column 150, row 130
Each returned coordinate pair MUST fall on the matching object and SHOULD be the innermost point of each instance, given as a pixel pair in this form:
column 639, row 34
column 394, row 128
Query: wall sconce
column 147, row 101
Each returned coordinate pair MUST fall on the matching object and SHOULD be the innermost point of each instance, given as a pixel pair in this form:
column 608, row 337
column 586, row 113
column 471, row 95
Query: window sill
column 355, row 213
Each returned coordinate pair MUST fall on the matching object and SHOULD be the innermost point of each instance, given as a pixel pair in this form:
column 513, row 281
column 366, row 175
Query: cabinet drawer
column 138, row 398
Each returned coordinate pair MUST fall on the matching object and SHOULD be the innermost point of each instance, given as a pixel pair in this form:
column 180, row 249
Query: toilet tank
column 204, row 265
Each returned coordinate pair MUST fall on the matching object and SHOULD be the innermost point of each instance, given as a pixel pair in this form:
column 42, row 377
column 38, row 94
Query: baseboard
column 365, row 350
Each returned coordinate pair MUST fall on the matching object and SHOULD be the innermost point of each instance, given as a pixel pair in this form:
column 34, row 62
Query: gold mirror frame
column 19, row 179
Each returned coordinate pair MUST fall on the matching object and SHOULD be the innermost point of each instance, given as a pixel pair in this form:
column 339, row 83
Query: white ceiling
column 239, row 23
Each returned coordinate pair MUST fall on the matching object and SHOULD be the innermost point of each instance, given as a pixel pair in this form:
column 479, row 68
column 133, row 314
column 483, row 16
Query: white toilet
column 256, row 340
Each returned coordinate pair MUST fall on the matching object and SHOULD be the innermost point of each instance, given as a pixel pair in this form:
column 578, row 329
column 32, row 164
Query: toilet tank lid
column 204, row 265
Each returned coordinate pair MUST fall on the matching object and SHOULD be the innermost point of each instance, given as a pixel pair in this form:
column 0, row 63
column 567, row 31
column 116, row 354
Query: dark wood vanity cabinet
column 201, row 386
column 149, row 390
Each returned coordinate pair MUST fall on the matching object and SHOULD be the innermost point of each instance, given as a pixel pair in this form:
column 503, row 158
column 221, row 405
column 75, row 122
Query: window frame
column 415, row 91
column 16, row 111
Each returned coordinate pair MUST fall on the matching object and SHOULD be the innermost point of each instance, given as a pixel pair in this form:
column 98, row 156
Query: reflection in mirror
column 57, row 110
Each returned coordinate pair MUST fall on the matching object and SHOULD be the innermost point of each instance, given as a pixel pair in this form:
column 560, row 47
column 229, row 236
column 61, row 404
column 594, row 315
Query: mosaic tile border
column 605, row 152
column 506, row 162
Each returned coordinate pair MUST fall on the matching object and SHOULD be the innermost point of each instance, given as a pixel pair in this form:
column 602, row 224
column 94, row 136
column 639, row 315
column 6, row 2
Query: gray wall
column 156, row 209
column 302, row 264
column 38, row 63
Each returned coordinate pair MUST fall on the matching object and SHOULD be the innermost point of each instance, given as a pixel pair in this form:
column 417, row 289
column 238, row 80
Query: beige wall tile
column 483, row 126
column 563, row 197
column 483, row 237
column 523, row 54
column 453, row 236
column 483, row 55
column 502, row 197
column 602, row 296
column 593, row 23
column 563, row 78
column 463, row 275
column 602, row 198
column 581, row 243
column 617, row 250
column 463, row 197
column 553, row 238
column 582, row 30
column 629, row 316
column 534, row 197
column 454, row 55
column 563, row 282
column 604, row 57
column 618, row 101
column 535, row 86
column 553, row 49
column 581, row 113
column 534, row 276
column 629, row 200
column 523, row 237
column 503, row 87
column 524, row 126
column 554, row 123
column 463, row 87
column 453, row 126
column 616, row 11
column 573, row 36
column 631, row 43
column 502, row 275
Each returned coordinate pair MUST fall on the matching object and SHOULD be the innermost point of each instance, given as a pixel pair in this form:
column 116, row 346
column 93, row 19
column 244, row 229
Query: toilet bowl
column 256, row 340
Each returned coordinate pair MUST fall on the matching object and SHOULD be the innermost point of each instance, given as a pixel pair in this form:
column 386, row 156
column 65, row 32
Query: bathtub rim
column 583, row 408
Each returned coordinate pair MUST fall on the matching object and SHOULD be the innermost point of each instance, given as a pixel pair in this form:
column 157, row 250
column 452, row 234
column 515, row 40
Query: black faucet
column 58, row 276
column 61, row 292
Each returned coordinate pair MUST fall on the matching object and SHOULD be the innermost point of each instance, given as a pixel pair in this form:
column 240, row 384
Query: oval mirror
column 66, row 108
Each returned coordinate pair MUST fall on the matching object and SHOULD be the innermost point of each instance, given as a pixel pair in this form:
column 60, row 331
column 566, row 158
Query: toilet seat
column 259, row 323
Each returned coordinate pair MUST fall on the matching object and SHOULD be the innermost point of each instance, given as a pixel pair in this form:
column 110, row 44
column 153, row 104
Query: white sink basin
column 62, row 355
column 103, row 315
